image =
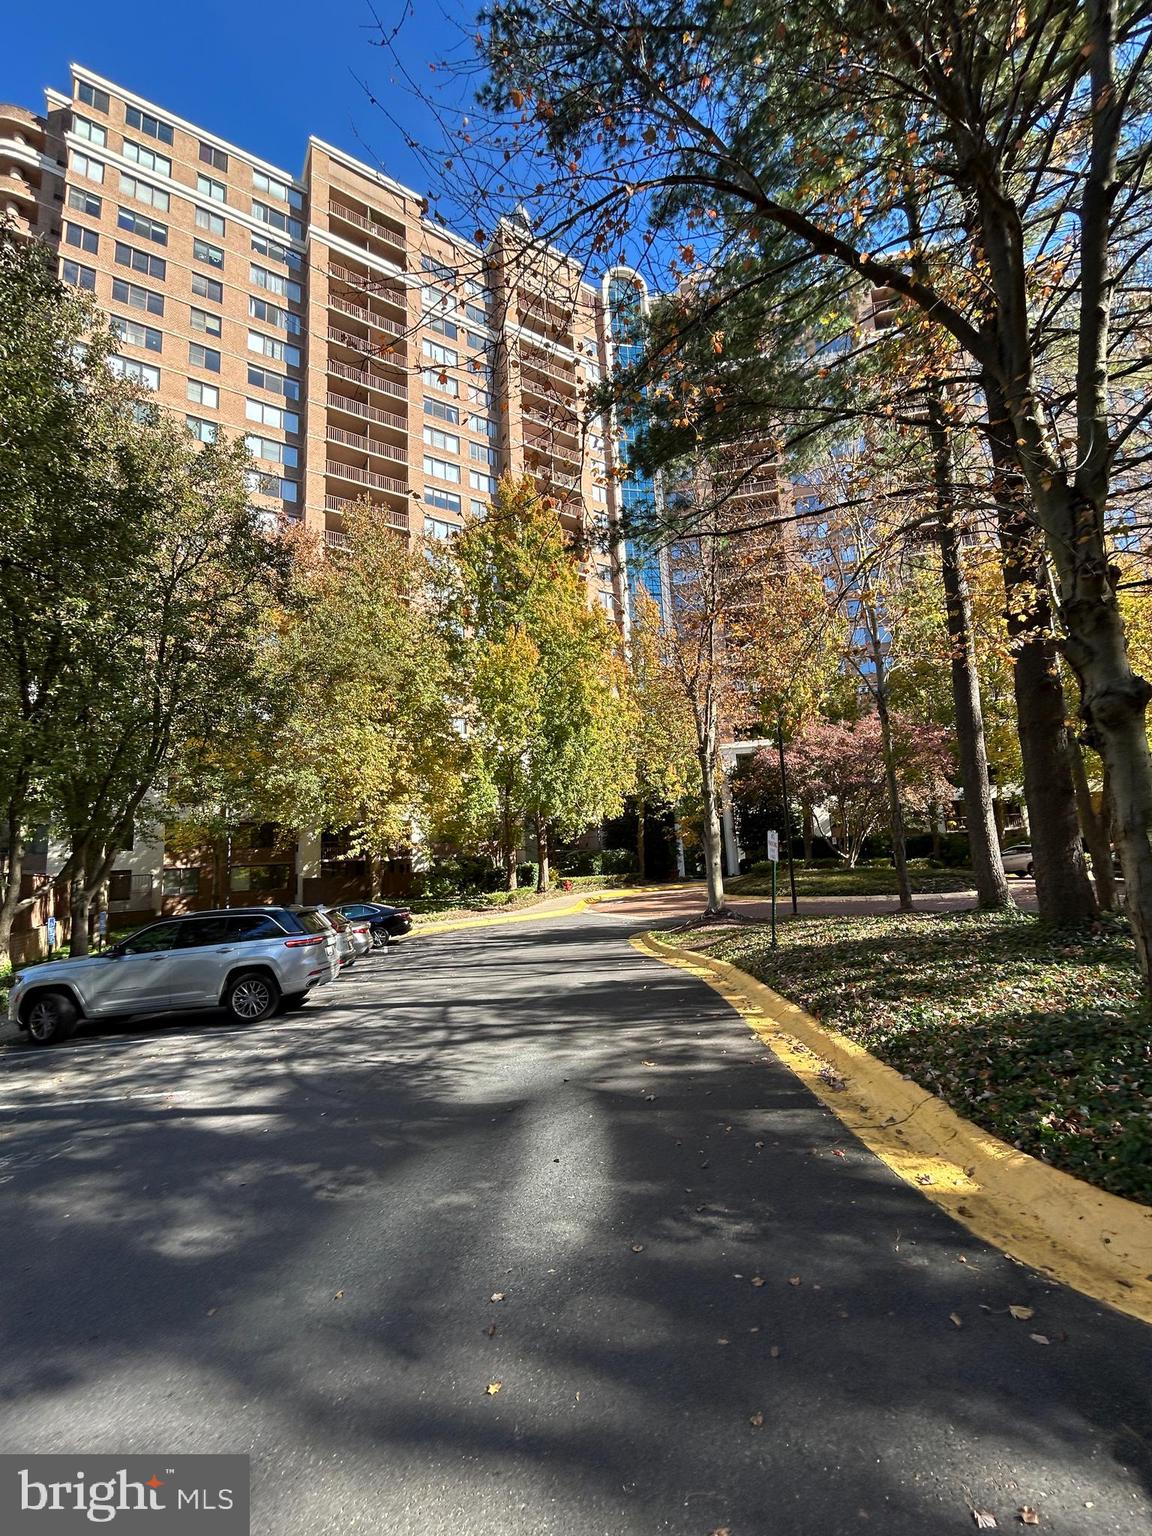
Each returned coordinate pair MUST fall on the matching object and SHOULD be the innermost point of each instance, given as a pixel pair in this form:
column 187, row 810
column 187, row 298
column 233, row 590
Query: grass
column 1039, row 1035
column 865, row 880
column 440, row 909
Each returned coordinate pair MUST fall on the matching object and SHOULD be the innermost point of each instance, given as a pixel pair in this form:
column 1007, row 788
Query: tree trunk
column 1095, row 829
column 713, row 837
column 1063, row 892
column 509, row 850
column 79, row 902
column 895, row 810
column 14, row 875
column 988, row 870
column 543, row 873
column 641, row 848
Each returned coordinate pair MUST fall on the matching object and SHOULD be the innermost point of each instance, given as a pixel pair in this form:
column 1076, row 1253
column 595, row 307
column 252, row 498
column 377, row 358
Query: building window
column 443, row 411
column 130, row 186
column 129, row 368
column 434, row 379
column 204, row 430
column 481, row 397
column 208, row 186
column 479, row 508
column 441, row 469
column 78, row 276
column 212, row 156
column 212, row 222
column 476, row 314
column 269, row 448
column 272, row 346
column 85, row 202
column 273, row 282
column 264, row 378
column 482, row 454
column 144, row 122
column 443, row 500
column 447, row 357
column 480, row 482
column 204, row 320
column 272, row 314
column 203, row 394
column 120, row 885
column 136, row 334
column 203, row 357
column 437, row 269
column 272, row 485
column 437, row 528
column 211, row 255
column 140, row 261
column 281, row 189
column 274, row 251
column 150, row 159
column 137, row 297
column 271, row 416
column 181, row 882
column 139, row 224
column 207, row 288
column 443, row 327
column 277, row 220
column 92, row 96
column 93, row 132
column 448, row 442
column 86, row 239
column 483, row 424
column 91, row 170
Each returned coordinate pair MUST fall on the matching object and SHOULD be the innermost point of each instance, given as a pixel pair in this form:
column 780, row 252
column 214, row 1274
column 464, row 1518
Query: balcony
column 366, row 444
column 371, row 227
column 379, row 288
column 368, row 316
column 334, row 539
column 363, row 344
column 365, row 477
column 563, row 419
column 545, row 363
column 369, row 380
column 368, row 412
column 342, row 504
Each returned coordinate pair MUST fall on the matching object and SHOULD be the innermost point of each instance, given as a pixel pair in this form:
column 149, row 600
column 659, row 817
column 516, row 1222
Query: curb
column 1095, row 1242
column 533, row 913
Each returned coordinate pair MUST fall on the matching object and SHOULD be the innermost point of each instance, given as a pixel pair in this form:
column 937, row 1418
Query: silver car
column 1017, row 860
column 252, row 961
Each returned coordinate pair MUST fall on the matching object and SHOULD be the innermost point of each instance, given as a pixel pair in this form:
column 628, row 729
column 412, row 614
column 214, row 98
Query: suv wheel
column 50, row 1017
column 251, row 996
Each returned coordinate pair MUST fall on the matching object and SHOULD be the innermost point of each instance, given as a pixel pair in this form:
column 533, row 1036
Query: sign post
column 774, row 858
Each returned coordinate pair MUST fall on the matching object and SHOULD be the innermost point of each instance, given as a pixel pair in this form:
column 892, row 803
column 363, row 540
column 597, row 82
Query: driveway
column 518, row 1231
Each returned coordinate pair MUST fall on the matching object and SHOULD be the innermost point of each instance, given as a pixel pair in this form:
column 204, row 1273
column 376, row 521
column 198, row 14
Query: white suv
column 249, row 960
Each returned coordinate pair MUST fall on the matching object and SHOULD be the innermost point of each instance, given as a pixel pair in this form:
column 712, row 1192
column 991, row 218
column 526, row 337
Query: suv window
column 255, row 925
column 311, row 922
column 150, row 940
column 197, row 932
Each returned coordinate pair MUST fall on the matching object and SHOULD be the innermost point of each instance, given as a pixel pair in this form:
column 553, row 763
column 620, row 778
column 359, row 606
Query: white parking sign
column 774, row 846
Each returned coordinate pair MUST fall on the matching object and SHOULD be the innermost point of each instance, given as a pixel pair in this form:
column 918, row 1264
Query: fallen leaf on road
column 759, row 1143
column 757, row 1420
column 1039, row 1338
column 491, row 1330
column 339, row 1296
column 985, row 1519
column 647, row 1063
column 211, row 1312
column 721, row 1530
column 1022, row 1313
column 1027, row 1515
column 956, row 1318
column 793, row 1279
column 496, row 1296
column 775, row 1351
column 923, row 1178
column 723, row 1341
column 757, row 1280
column 637, row 1247
column 492, row 1388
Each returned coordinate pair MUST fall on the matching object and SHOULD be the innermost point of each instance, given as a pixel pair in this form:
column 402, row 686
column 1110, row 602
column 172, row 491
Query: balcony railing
column 362, row 312
column 563, row 419
column 380, row 288
column 369, row 380
column 360, row 343
column 366, row 444
column 341, row 504
column 365, row 477
column 371, row 226
column 542, row 362
column 369, row 412
column 337, row 540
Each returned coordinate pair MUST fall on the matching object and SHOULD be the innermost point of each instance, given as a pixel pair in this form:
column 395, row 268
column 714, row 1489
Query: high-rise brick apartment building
column 363, row 351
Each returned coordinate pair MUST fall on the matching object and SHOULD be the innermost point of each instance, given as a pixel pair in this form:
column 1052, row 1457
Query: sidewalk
column 680, row 902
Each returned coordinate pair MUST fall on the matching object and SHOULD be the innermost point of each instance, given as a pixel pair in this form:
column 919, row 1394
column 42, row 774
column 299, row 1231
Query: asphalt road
column 283, row 1241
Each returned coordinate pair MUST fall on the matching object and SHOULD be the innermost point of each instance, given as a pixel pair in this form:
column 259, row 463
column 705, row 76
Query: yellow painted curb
column 1095, row 1242
column 525, row 914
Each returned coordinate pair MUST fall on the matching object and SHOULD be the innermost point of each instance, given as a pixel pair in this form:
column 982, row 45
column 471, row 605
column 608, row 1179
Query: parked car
column 252, row 961
column 1017, row 859
column 386, row 922
column 349, row 948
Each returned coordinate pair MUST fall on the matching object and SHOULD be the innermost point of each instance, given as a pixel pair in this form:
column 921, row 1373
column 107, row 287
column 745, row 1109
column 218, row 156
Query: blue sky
column 263, row 76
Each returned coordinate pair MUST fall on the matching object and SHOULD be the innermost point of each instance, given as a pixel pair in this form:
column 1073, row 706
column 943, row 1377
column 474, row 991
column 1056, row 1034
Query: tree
column 1025, row 137
column 844, row 767
column 541, row 686
column 663, row 739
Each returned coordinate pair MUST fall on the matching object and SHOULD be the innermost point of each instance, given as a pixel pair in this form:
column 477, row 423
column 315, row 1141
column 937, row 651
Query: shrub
column 617, row 861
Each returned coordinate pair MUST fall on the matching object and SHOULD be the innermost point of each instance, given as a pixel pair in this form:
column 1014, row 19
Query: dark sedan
column 386, row 922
